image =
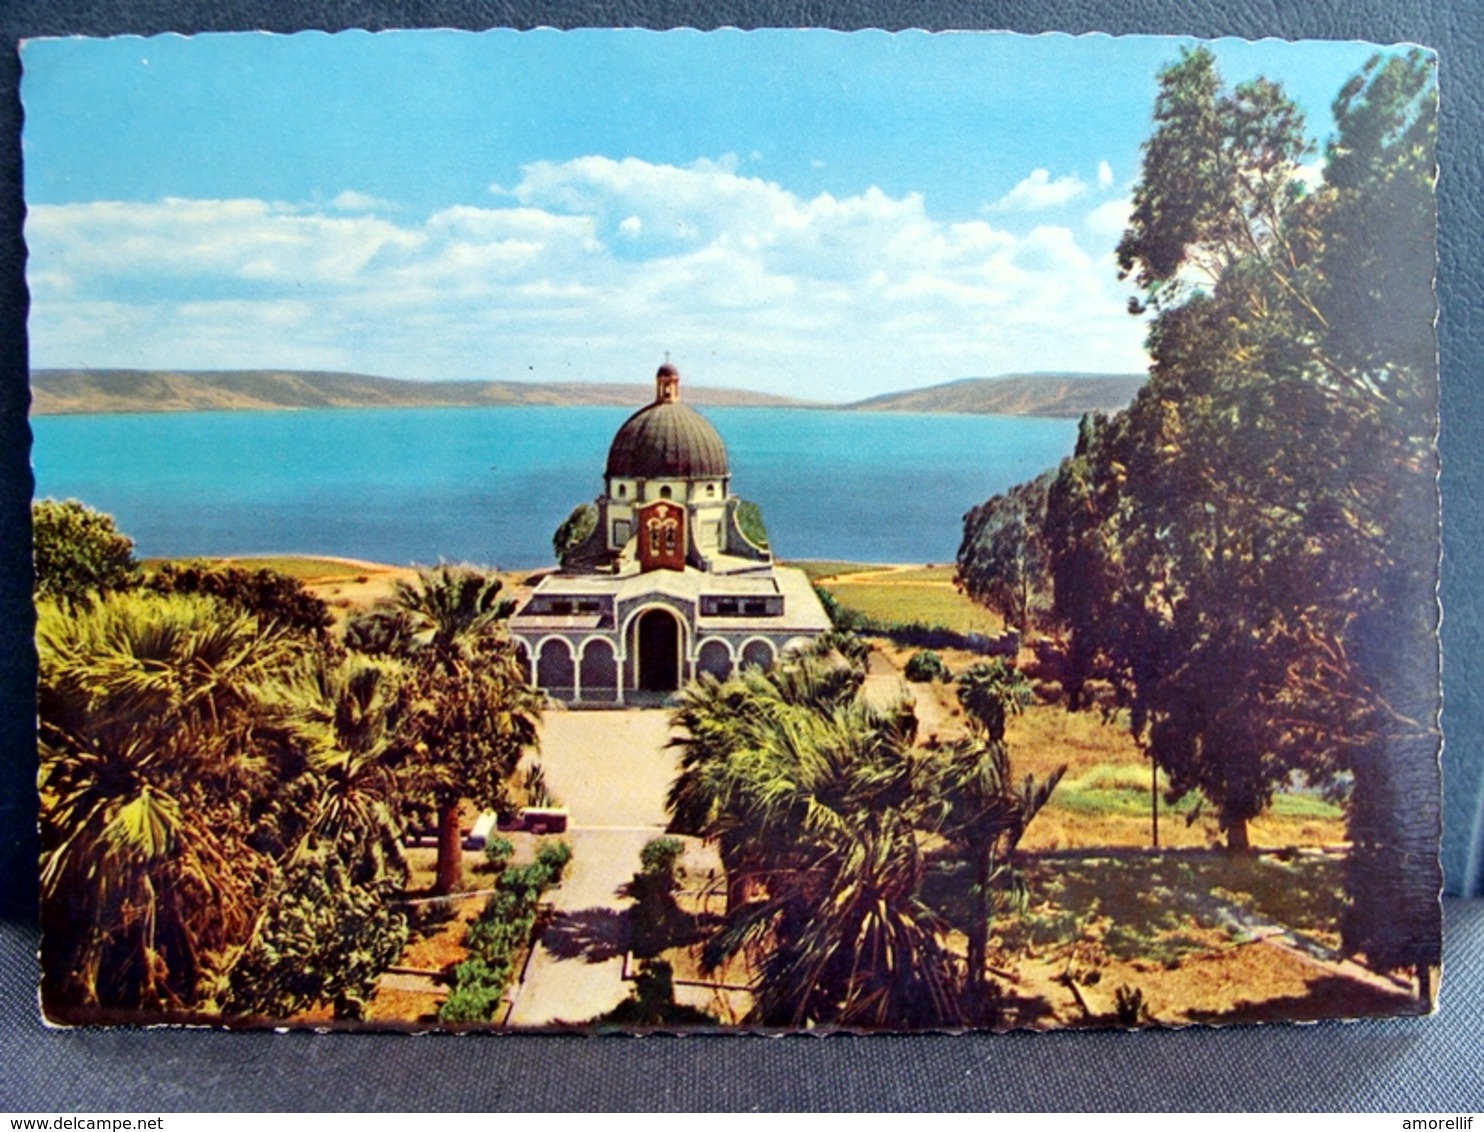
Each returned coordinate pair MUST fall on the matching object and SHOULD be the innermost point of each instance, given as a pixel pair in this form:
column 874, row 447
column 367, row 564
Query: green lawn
column 926, row 602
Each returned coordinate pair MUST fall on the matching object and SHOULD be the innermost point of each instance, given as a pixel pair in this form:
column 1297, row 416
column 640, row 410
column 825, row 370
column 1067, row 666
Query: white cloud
column 595, row 264
column 352, row 201
column 1105, row 174
column 1039, row 191
column 1109, row 218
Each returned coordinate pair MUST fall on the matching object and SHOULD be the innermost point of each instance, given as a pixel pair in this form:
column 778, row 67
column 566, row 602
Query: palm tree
column 160, row 772
column 452, row 606
column 826, row 815
column 354, row 708
column 471, row 716
column 984, row 817
column 991, row 692
column 720, row 722
column 814, row 797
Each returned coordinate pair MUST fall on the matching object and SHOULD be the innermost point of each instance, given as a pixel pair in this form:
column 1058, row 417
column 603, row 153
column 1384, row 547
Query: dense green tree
column 324, row 939
column 1374, row 291
column 1002, row 560
column 1082, row 536
column 574, row 530
column 1249, row 551
column 79, row 553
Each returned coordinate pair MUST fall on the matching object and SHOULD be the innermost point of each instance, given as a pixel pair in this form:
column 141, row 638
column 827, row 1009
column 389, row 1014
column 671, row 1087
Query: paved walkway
column 611, row 770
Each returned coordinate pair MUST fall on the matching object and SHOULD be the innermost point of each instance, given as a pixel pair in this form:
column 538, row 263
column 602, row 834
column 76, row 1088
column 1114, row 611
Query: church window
column 710, row 489
column 654, row 538
column 622, row 491
column 665, row 492
column 669, row 539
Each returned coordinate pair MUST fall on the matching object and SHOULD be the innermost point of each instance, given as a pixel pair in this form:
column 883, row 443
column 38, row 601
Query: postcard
column 619, row 530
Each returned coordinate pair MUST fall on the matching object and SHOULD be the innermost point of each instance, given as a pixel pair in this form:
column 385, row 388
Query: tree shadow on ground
column 1150, row 903
column 1016, row 1011
column 594, row 934
column 1331, row 996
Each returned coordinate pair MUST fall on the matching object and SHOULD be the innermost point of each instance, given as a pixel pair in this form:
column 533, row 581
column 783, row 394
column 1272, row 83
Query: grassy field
column 1161, row 908
column 943, row 575
column 931, row 603
column 305, row 569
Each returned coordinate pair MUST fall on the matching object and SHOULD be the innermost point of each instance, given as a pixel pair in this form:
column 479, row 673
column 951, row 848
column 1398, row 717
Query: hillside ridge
column 58, row 391
column 80, row 391
column 1015, row 394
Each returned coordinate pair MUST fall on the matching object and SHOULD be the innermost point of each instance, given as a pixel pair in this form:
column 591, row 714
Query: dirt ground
column 1092, row 748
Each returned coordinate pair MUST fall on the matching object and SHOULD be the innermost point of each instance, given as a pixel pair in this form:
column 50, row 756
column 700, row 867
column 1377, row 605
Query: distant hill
column 55, row 391
column 157, row 391
column 1026, row 395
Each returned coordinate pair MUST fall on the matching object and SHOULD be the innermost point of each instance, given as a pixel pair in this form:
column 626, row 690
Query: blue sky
column 822, row 214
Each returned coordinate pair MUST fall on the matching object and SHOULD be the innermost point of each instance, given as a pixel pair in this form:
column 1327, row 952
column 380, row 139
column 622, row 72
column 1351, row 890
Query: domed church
column 668, row 585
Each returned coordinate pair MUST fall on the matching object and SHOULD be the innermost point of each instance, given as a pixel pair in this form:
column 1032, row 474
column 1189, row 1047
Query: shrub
column 843, row 619
column 502, row 930
column 497, row 854
column 470, row 1003
column 79, row 553
column 553, row 857
column 659, row 856
column 266, row 594
column 750, row 522
column 926, row 667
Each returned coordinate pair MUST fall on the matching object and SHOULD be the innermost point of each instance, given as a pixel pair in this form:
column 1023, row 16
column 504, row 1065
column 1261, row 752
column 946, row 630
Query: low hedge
column 502, row 930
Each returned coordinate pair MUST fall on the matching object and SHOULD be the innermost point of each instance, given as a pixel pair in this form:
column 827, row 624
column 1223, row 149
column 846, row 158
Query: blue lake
column 489, row 485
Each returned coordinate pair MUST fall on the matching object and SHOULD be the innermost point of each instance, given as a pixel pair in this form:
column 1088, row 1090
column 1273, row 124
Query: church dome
column 667, row 439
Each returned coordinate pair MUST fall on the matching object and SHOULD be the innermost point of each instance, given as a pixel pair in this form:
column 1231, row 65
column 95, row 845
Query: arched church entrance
column 658, row 635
